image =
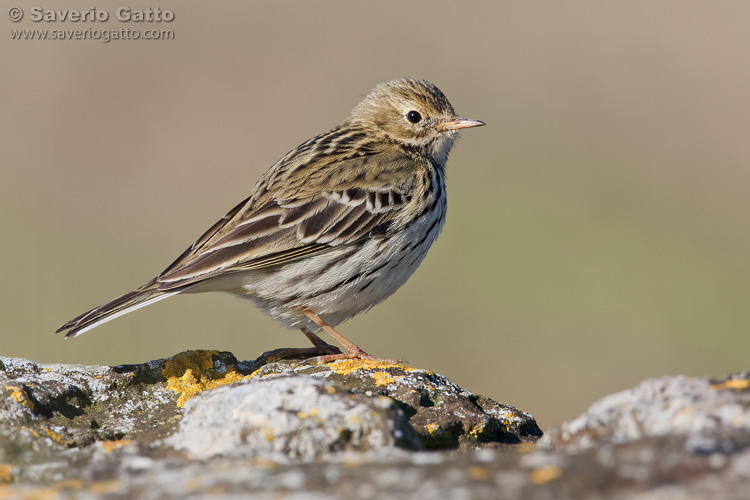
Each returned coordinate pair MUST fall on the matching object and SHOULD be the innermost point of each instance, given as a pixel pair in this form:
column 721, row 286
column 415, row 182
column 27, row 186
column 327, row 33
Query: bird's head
column 414, row 114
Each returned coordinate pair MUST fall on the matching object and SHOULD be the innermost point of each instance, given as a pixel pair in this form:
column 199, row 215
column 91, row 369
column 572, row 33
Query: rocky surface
column 710, row 416
column 203, row 425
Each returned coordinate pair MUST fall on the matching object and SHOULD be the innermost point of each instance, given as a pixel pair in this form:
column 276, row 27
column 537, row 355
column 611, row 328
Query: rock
column 708, row 416
column 277, row 428
column 52, row 415
column 49, row 409
column 298, row 417
column 672, row 437
column 443, row 415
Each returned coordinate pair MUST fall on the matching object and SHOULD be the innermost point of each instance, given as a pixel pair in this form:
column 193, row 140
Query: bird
column 333, row 228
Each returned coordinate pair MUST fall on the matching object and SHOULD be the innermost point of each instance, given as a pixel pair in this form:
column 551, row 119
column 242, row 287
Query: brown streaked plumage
column 334, row 227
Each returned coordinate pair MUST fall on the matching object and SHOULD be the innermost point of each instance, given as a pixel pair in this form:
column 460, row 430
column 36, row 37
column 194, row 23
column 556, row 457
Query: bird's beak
column 457, row 123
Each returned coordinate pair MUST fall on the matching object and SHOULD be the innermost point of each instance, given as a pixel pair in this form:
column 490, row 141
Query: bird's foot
column 352, row 353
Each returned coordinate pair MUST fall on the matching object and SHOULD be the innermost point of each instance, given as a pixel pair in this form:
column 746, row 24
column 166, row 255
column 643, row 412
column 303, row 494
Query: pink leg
column 352, row 351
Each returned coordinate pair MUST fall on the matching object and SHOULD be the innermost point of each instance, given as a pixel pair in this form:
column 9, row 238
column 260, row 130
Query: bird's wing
column 292, row 216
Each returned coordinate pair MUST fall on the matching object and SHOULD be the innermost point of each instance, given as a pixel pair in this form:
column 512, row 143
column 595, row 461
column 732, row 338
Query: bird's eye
column 413, row 116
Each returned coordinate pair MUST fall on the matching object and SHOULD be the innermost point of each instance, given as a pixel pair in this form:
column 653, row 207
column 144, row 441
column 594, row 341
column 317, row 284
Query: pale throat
column 440, row 148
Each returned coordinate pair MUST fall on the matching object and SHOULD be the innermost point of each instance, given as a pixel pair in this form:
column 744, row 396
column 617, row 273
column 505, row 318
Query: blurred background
column 597, row 231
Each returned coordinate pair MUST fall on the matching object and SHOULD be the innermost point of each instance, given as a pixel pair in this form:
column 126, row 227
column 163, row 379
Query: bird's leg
column 352, row 351
column 320, row 348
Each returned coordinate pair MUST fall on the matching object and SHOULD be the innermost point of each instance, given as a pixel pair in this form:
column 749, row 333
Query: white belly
column 338, row 284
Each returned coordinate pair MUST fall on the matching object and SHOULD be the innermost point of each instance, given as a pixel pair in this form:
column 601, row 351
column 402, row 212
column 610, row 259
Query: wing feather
column 273, row 230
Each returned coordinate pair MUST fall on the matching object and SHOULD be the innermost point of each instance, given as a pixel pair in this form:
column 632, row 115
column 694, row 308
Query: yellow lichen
column 545, row 474
column 736, row 384
column 478, row 473
column 111, row 445
column 383, row 378
column 192, row 372
column 432, row 427
column 104, row 487
column 29, row 493
column 265, row 463
column 69, row 484
column 5, row 473
column 269, row 433
column 477, row 430
column 347, row 366
column 303, row 414
column 199, row 360
column 56, row 436
column 20, row 396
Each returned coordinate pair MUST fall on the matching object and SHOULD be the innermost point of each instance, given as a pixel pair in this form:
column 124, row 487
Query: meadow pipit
column 333, row 228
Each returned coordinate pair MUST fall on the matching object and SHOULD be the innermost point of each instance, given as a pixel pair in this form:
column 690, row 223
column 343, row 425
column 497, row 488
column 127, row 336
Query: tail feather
column 143, row 296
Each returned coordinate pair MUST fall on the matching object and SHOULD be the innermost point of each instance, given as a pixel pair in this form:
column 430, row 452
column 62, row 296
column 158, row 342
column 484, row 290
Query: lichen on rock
column 279, row 428
column 233, row 408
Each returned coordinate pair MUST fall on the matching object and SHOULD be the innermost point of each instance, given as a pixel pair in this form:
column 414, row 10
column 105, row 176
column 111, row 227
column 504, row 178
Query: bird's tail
column 143, row 296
